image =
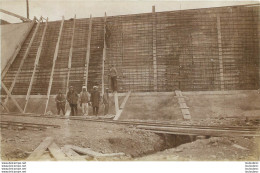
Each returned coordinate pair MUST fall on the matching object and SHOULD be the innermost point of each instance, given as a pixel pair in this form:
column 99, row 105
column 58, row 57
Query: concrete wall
column 11, row 36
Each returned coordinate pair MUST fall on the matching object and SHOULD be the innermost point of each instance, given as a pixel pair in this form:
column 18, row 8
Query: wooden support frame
column 38, row 55
column 70, row 56
column 53, row 65
column 17, row 50
column 154, row 50
column 24, row 57
column 221, row 72
column 88, row 51
column 104, row 55
column 122, row 106
column 10, row 95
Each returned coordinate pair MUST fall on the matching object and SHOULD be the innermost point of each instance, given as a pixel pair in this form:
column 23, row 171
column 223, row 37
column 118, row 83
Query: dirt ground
column 206, row 109
column 101, row 137
column 212, row 149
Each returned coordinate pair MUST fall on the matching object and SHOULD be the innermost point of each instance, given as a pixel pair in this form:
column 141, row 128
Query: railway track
column 26, row 125
column 168, row 127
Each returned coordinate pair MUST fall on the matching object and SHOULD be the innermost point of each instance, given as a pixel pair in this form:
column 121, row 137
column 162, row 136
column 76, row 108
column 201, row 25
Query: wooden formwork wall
column 189, row 50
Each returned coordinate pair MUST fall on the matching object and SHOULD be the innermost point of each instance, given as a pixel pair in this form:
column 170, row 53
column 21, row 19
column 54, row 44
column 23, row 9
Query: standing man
column 106, row 101
column 60, row 102
column 95, row 98
column 72, row 98
column 113, row 76
column 84, row 99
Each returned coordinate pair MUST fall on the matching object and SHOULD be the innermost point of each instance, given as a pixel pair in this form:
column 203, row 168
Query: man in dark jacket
column 106, row 101
column 113, row 77
column 95, row 98
column 72, row 98
column 60, row 102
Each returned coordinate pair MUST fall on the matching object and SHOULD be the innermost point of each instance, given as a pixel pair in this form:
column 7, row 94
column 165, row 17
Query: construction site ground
column 219, row 110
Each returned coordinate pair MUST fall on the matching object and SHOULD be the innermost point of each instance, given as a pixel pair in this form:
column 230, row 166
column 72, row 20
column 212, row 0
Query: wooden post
column 154, row 50
column 10, row 95
column 104, row 55
column 24, row 57
column 88, row 51
column 53, row 65
column 222, row 87
column 116, row 102
column 70, row 56
column 17, row 49
column 38, row 55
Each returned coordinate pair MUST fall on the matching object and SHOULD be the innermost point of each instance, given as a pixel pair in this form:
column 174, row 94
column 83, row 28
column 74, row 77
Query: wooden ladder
column 184, row 108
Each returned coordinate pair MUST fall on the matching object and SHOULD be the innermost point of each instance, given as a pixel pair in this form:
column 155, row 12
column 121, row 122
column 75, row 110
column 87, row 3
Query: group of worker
column 84, row 99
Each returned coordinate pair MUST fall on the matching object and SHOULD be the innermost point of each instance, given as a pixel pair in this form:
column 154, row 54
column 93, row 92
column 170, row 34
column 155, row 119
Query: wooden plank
column 221, row 75
column 92, row 153
column 24, row 57
column 17, row 50
column 72, row 154
column 10, row 95
column 53, row 65
column 57, row 153
column 15, row 15
column 69, row 63
column 88, row 51
column 35, row 66
column 154, row 50
column 104, row 55
column 40, row 149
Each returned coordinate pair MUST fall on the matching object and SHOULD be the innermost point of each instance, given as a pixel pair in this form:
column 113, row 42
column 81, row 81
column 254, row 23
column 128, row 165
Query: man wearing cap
column 106, row 101
column 72, row 98
column 60, row 102
column 113, row 76
column 95, row 98
column 84, row 99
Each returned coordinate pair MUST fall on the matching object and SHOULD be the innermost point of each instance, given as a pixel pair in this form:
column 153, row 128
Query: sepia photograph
column 130, row 80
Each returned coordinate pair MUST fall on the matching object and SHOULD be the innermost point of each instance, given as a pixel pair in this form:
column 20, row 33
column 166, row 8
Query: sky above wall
column 55, row 9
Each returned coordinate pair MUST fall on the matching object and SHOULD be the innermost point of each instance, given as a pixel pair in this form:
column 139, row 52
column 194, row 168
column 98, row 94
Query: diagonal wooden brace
column 10, row 95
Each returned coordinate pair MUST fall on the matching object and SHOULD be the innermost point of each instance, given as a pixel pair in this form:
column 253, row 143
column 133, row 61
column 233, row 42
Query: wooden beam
column 88, row 52
column 53, row 65
column 24, row 19
column 104, row 55
column 92, row 153
column 221, row 73
column 154, row 51
column 72, row 154
column 35, row 66
column 122, row 106
column 17, row 50
column 70, row 57
column 37, row 153
column 10, row 95
column 57, row 152
column 24, row 57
